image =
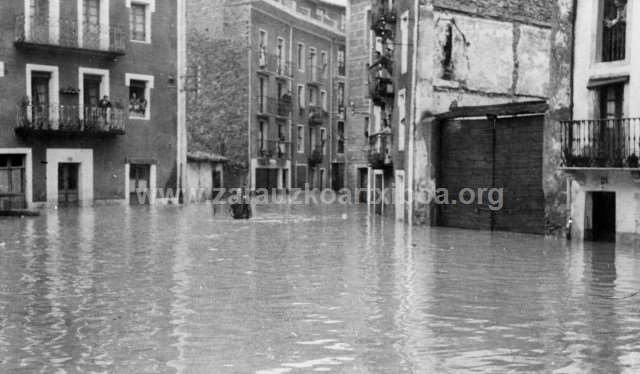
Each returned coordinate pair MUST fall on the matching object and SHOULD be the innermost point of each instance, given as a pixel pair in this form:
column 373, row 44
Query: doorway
column 68, row 184
column 363, row 185
column 40, row 98
column 603, row 214
column 139, row 184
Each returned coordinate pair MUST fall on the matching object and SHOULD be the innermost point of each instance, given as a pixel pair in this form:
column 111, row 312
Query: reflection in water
column 301, row 289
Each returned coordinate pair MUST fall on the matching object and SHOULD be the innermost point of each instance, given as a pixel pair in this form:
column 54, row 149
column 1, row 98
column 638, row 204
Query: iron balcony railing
column 317, row 115
column 275, row 149
column 70, row 118
column 68, row 33
column 614, row 42
column 380, row 148
column 601, row 143
column 317, row 74
column 274, row 63
column 271, row 106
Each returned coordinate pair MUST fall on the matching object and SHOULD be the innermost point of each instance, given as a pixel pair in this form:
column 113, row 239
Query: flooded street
column 306, row 289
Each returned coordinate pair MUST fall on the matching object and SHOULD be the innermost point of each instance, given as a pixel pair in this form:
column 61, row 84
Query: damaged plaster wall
column 500, row 52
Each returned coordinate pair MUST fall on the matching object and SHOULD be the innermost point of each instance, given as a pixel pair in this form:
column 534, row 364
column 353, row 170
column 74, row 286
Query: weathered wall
column 500, row 52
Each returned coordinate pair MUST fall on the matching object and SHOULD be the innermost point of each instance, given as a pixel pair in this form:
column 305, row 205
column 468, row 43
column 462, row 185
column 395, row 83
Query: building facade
column 89, row 104
column 601, row 144
column 435, row 68
column 267, row 90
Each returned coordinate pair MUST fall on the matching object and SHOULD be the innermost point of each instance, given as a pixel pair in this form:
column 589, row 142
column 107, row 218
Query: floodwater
column 306, row 290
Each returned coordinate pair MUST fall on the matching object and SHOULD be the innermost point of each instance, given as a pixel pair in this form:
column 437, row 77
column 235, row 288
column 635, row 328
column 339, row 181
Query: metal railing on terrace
column 68, row 33
column 275, row 149
column 612, row 143
column 70, row 119
column 271, row 106
column 275, row 64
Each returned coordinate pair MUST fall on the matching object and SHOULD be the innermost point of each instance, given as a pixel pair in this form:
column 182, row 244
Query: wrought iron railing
column 380, row 148
column 317, row 115
column 614, row 42
column 601, row 143
column 273, row 63
column 316, row 74
column 68, row 33
column 71, row 118
column 275, row 149
column 271, row 106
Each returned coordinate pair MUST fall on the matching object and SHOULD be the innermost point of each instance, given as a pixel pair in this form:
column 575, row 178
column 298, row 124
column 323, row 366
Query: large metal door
column 502, row 154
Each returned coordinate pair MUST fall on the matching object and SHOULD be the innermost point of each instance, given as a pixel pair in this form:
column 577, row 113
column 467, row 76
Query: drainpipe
column 412, row 113
column 181, row 136
column 569, row 181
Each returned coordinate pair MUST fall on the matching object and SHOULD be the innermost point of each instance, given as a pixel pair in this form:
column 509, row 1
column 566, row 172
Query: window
column 12, row 174
column 340, row 96
column 404, row 42
column 139, row 95
column 614, row 27
column 342, row 71
column 313, row 95
column 43, row 92
column 137, row 23
column 323, row 100
column 366, row 127
column 323, row 140
column 301, row 102
column 94, row 87
column 300, row 61
column 263, row 39
column 325, row 64
column 402, row 110
column 300, row 139
column 321, row 12
column 140, row 20
column 313, row 61
column 262, row 95
column 340, row 149
column 611, row 101
column 280, row 53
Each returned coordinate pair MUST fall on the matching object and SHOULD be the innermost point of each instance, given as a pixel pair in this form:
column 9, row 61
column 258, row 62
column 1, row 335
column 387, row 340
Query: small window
column 340, row 149
column 137, row 101
column 325, row 64
column 301, row 102
column 139, row 95
column 300, row 56
column 366, row 127
column 263, row 39
column 323, row 140
column 323, row 100
column 341, row 62
column 262, row 137
column 138, row 22
column 300, row 139
column 313, row 96
column 404, row 42
column 614, row 28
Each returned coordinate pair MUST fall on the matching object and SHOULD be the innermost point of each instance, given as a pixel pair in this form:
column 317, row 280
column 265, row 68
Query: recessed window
column 611, row 101
column 139, row 95
column 300, row 139
column 323, row 140
column 300, row 59
column 138, row 22
column 323, row 100
column 614, row 29
column 301, row 102
column 313, row 96
column 340, row 147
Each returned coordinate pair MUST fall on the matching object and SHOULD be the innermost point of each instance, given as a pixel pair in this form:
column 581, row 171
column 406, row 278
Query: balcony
column 67, row 121
column 46, row 33
column 275, row 149
column 271, row 106
column 608, row 143
column 274, row 64
column 382, row 61
column 380, row 148
column 316, row 75
column 316, row 157
column 383, row 21
column 317, row 116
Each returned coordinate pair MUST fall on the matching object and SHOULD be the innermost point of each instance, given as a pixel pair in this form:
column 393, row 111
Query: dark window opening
column 614, row 26
column 447, row 61
column 137, row 98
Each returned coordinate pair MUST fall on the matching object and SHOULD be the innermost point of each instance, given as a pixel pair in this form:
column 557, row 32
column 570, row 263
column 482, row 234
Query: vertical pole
column 494, row 122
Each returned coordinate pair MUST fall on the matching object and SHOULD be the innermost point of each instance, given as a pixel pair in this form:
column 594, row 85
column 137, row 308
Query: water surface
column 305, row 290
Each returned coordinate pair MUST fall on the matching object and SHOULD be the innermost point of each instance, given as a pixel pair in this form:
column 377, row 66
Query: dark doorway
column 68, row 183
column 216, row 183
column 40, row 98
column 363, row 185
column 267, row 179
column 337, row 179
column 139, row 184
column 604, row 216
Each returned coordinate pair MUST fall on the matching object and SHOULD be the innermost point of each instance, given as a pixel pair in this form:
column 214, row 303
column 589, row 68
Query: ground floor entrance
column 12, row 181
column 139, row 184
column 497, row 154
column 601, row 225
column 337, row 176
column 68, row 183
column 266, row 179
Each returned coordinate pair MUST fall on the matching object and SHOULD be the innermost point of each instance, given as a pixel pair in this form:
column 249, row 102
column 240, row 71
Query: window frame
column 150, row 84
column 150, row 7
column 404, row 42
column 300, row 139
column 301, row 97
column 301, row 61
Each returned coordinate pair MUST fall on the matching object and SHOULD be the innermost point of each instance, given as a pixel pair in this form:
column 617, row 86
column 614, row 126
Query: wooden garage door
column 476, row 154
